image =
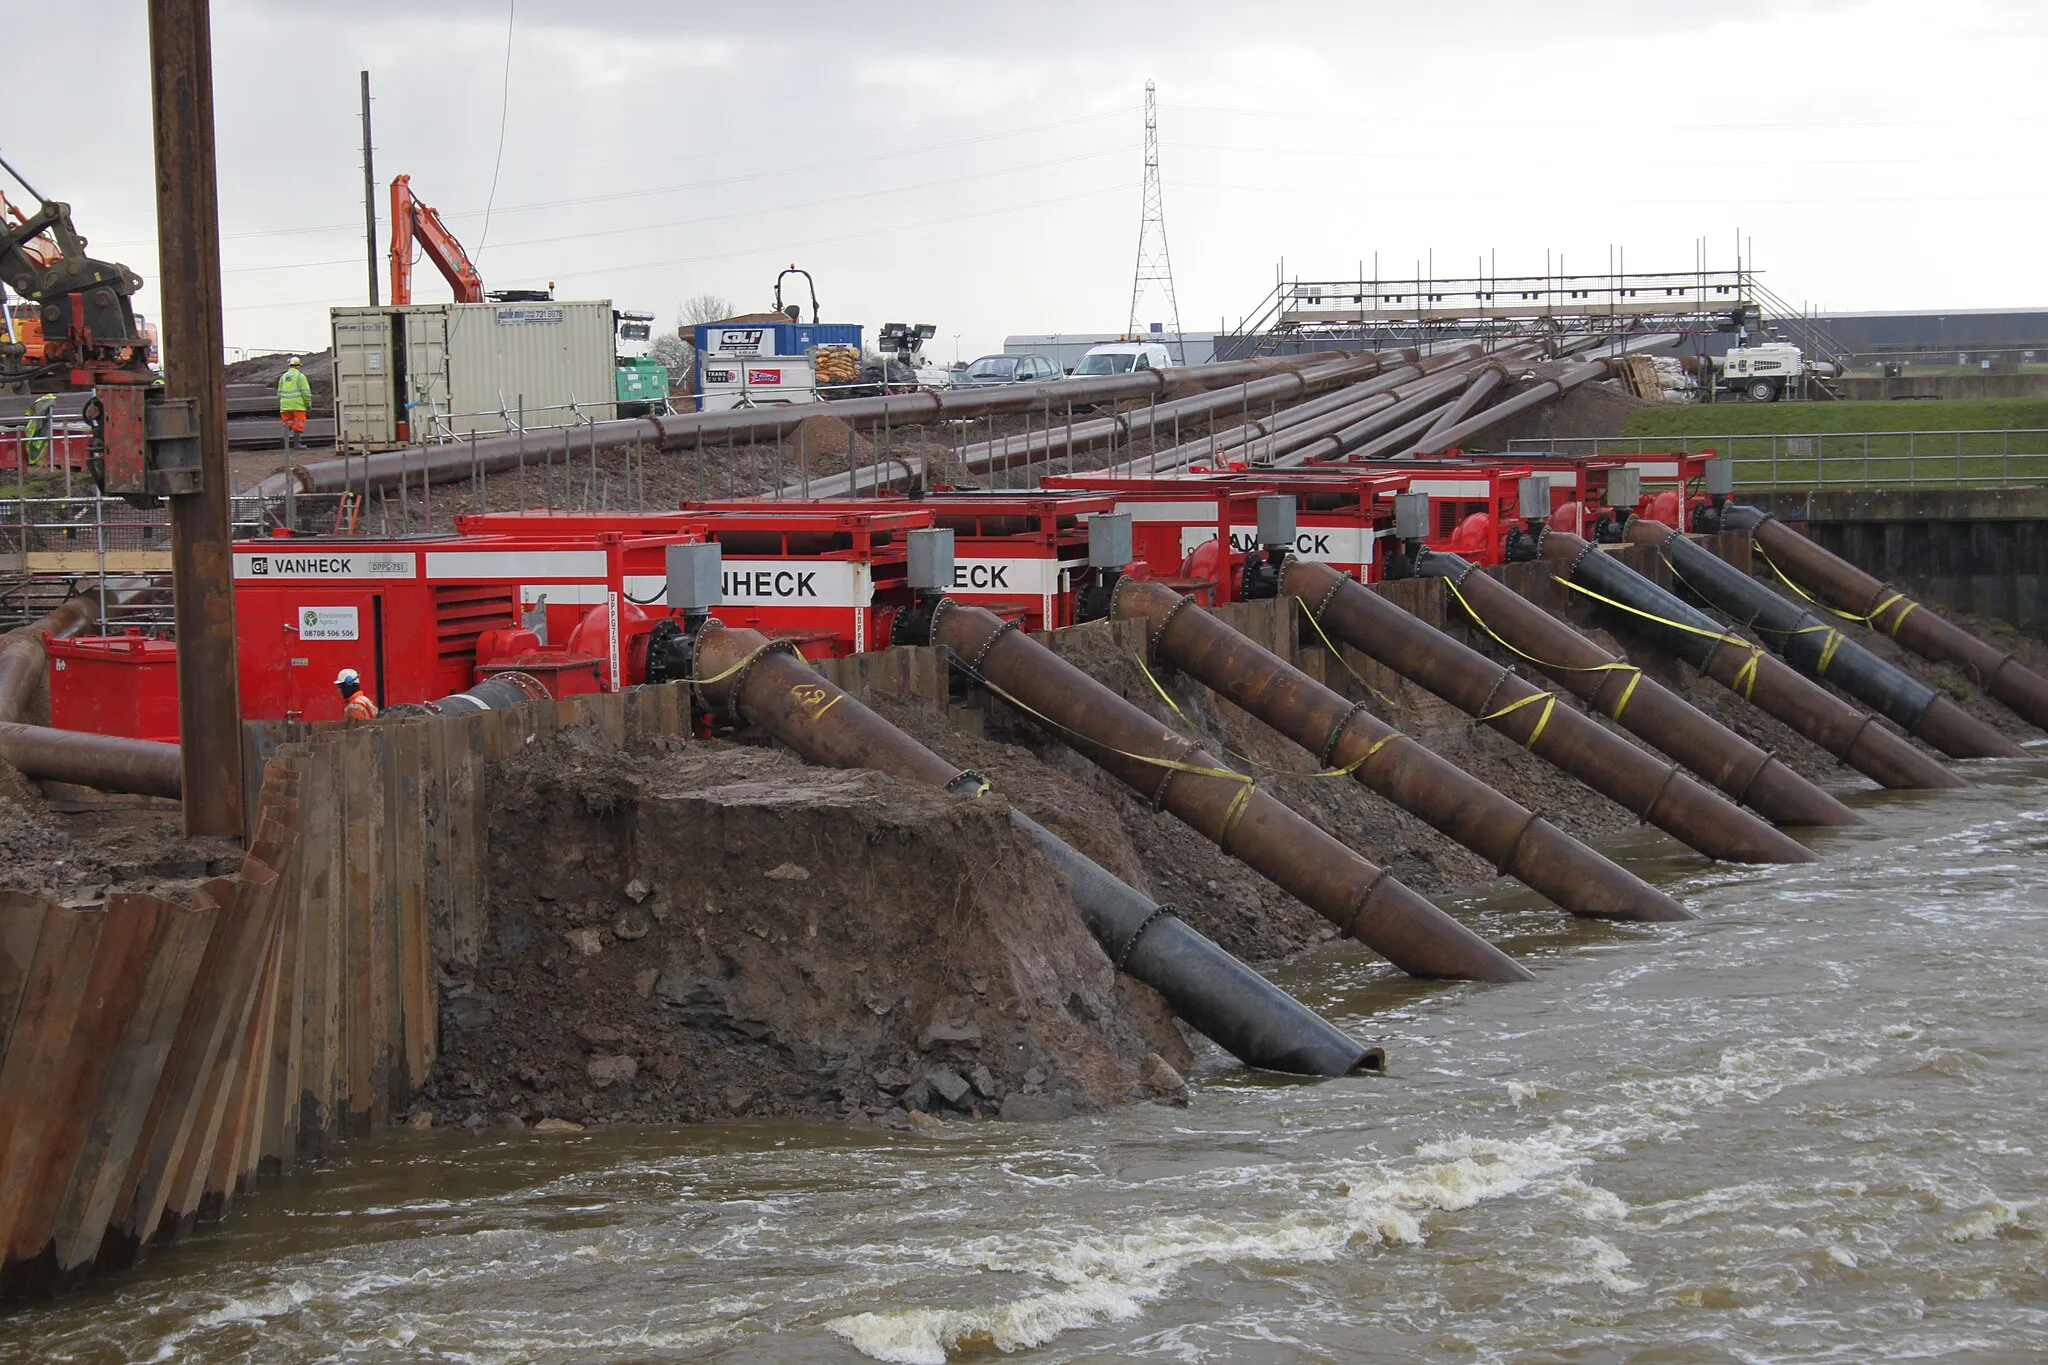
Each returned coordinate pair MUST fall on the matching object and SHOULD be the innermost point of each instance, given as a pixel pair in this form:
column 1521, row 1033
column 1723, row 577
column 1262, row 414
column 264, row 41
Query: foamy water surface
column 1809, row 1127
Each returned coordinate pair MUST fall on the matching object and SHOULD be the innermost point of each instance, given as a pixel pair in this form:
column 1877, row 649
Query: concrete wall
column 1910, row 385
column 1982, row 550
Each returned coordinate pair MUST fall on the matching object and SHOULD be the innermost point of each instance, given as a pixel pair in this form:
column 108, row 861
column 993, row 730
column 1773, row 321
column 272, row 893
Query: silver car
column 1007, row 369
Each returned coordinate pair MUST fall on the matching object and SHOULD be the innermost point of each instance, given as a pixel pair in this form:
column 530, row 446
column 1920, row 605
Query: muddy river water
column 1811, row 1126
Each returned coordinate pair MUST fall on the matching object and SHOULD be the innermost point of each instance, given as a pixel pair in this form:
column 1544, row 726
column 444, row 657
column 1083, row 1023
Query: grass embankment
column 1789, row 444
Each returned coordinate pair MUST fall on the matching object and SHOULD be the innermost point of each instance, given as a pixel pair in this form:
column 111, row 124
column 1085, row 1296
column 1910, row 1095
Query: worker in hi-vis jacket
column 355, row 703
column 294, row 396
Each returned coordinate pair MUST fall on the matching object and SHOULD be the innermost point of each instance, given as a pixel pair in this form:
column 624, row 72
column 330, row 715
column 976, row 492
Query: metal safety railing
column 1841, row 459
column 56, row 547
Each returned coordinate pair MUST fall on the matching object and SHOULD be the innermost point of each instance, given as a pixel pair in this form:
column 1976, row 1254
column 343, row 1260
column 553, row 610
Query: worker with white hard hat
column 294, row 396
column 355, row 703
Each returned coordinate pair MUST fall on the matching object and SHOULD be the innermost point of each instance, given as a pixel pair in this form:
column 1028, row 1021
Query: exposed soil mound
column 719, row 931
column 64, row 853
column 266, row 369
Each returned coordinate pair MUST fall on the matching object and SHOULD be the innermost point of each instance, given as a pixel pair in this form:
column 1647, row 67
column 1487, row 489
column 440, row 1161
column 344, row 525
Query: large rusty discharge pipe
column 142, row 767
column 107, row 762
column 1638, row 703
column 1469, row 402
column 23, row 659
column 1820, row 651
column 1178, row 775
column 1572, row 741
column 1373, row 423
column 1343, row 735
column 1763, row 680
column 494, row 454
column 1253, row 443
column 1915, row 625
column 1056, row 438
column 1246, row 1015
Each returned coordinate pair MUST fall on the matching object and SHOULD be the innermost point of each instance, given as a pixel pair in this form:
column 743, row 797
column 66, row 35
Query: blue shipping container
column 775, row 338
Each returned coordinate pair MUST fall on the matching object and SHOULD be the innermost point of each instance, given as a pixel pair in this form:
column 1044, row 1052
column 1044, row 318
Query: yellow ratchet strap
column 1635, row 674
column 1549, row 700
column 1338, row 655
column 1744, row 680
column 1828, row 646
column 1250, row 762
column 1867, row 619
column 1246, row 785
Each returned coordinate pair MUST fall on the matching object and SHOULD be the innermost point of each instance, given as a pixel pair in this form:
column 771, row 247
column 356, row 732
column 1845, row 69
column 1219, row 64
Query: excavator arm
column 88, row 322
column 413, row 221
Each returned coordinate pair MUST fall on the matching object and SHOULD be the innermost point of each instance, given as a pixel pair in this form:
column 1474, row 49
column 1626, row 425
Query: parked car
column 1008, row 369
column 1122, row 357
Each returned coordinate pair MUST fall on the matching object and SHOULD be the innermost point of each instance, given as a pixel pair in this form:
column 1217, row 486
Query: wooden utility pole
column 202, row 565
column 369, row 193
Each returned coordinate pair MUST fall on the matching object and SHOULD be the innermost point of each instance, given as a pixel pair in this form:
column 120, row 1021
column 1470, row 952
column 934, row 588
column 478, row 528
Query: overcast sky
column 978, row 167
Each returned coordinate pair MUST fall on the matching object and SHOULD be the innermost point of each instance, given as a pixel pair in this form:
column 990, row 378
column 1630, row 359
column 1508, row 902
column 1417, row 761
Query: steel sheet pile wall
column 156, row 1057
column 141, row 1054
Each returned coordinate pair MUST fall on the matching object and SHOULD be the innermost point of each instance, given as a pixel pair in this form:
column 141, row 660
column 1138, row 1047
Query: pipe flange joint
column 939, row 610
column 1571, row 570
column 1486, row 705
column 739, row 681
column 1328, row 753
column 1741, row 794
column 1158, row 633
column 988, row 646
column 1364, row 901
column 1159, row 912
column 1670, row 776
column 697, row 639
column 1507, row 855
column 1856, row 737
column 969, row 783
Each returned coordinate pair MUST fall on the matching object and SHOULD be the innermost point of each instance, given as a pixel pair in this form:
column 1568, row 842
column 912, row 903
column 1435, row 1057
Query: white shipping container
column 437, row 371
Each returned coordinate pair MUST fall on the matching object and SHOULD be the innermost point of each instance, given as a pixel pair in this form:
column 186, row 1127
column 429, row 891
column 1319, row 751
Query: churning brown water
column 1809, row 1127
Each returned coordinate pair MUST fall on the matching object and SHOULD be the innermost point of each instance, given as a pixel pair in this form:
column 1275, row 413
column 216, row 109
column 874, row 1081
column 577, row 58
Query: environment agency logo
column 312, row 618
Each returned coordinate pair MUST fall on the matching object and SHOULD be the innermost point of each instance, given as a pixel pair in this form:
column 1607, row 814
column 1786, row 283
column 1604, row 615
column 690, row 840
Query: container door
column 297, row 640
column 364, row 410
column 426, row 375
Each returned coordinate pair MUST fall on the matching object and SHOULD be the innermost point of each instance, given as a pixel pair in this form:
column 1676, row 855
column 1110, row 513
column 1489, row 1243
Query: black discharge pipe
column 1676, row 627
column 493, row 694
column 1820, row 651
column 1227, row 1002
column 769, row 685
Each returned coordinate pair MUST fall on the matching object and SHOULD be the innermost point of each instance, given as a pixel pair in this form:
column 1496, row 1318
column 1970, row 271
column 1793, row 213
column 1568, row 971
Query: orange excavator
column 74, row 326
column 414, row 221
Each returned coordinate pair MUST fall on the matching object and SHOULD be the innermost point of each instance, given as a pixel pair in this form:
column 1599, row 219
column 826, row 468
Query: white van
column 1121, row 357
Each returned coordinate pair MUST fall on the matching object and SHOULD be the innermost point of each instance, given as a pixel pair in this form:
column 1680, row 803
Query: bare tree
column 704, row 308
column 677, row 350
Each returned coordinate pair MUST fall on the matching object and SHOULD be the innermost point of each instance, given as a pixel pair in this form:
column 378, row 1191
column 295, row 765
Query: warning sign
column 328, row 623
